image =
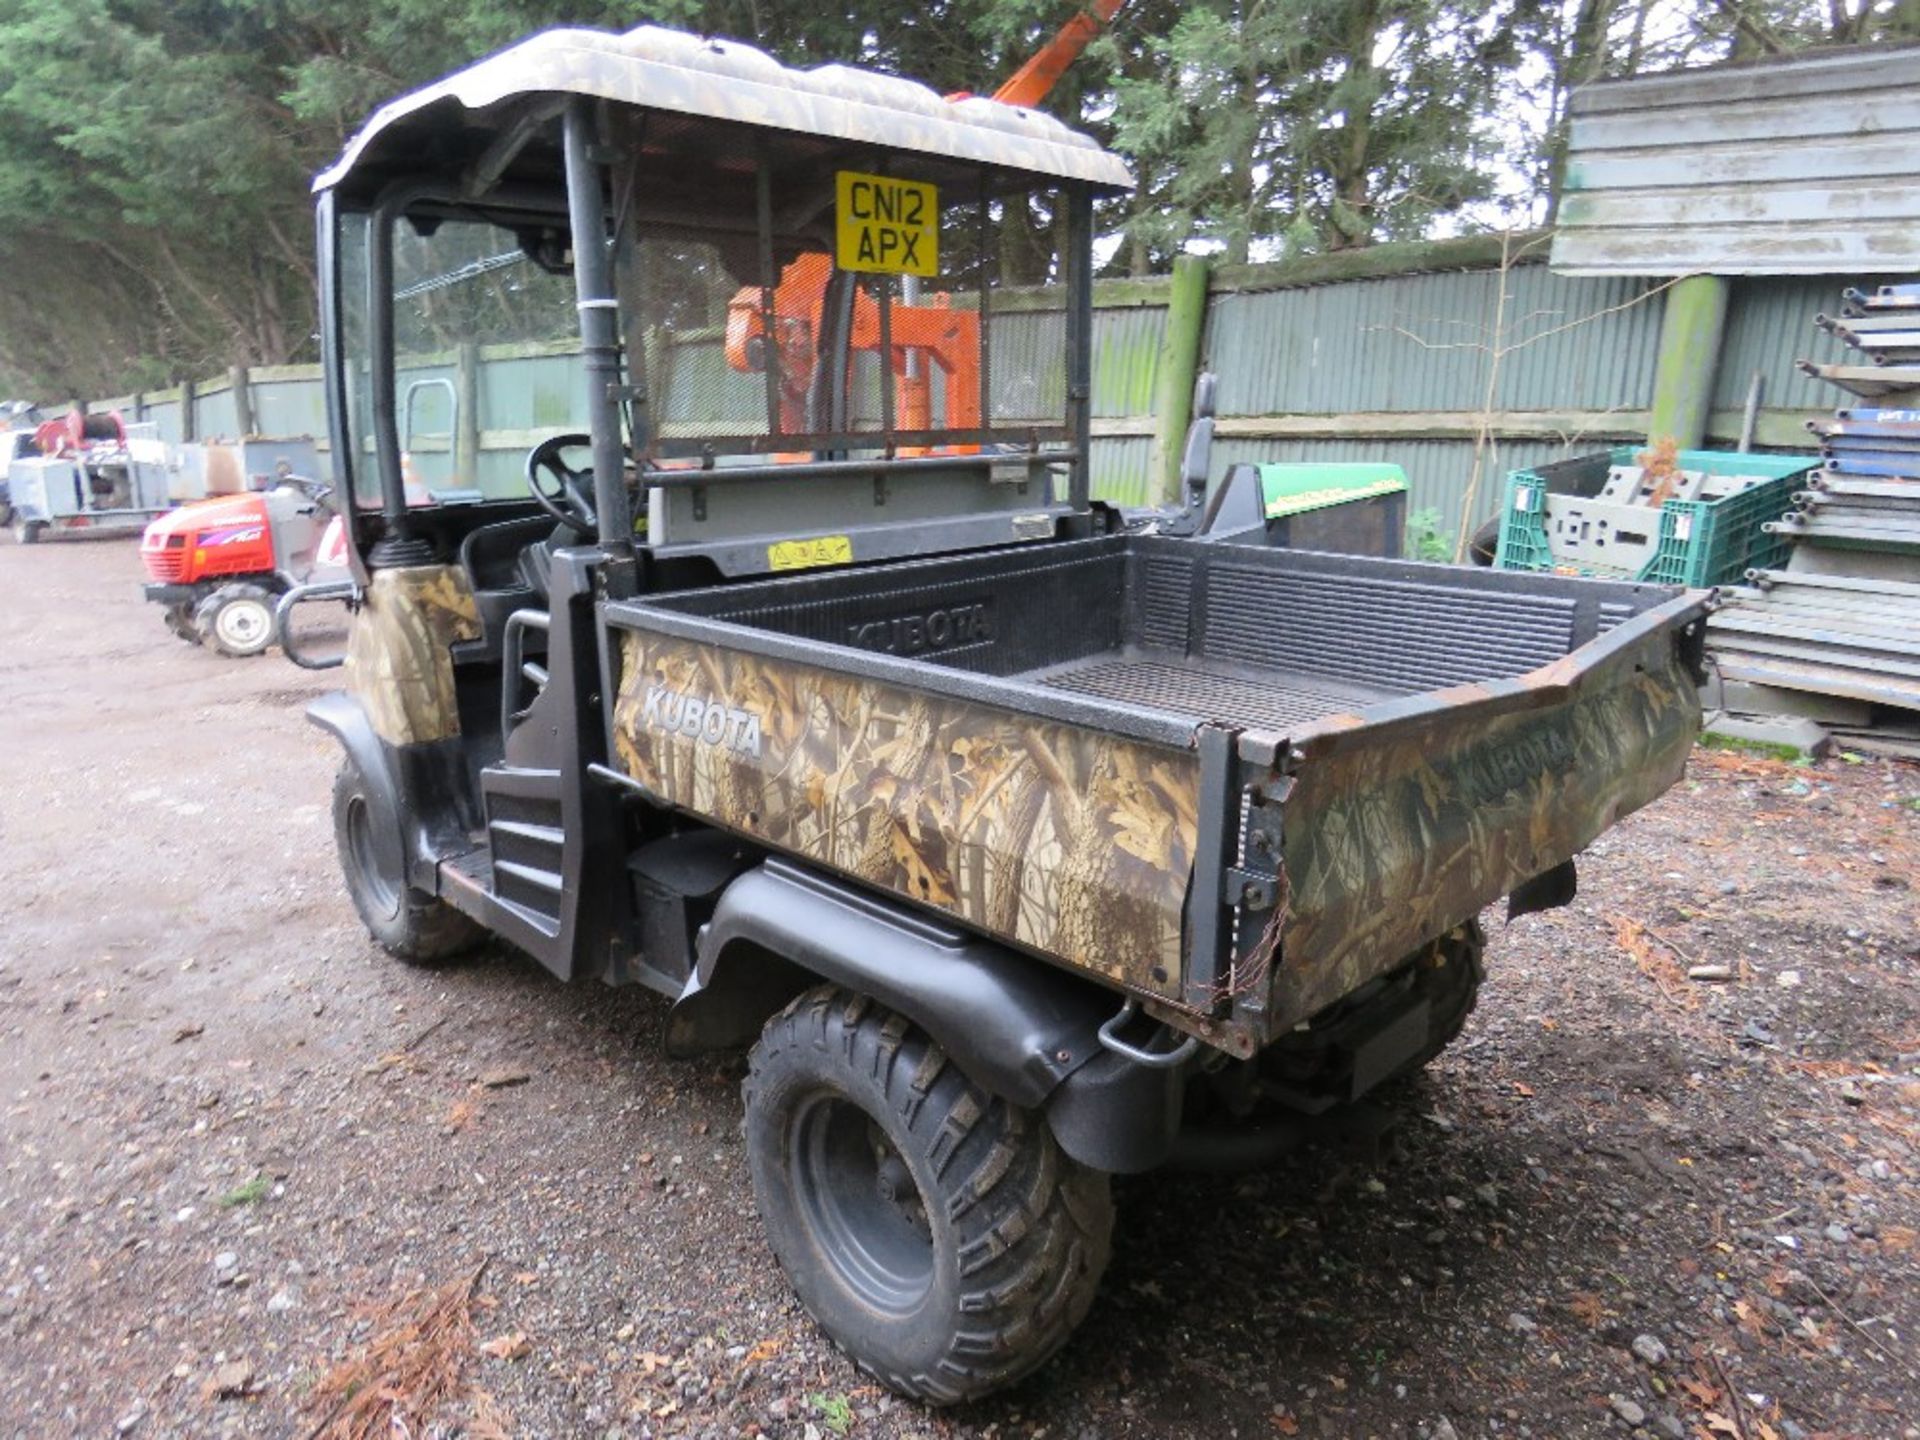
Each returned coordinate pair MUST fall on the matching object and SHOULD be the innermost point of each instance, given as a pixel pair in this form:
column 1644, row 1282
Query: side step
column 526, row 843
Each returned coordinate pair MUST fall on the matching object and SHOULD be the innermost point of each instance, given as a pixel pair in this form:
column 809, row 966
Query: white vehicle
column 14, row 445
column 87, row 472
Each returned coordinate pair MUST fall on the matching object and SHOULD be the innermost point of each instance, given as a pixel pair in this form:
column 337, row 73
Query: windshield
column 486, row 357
column 779, row 300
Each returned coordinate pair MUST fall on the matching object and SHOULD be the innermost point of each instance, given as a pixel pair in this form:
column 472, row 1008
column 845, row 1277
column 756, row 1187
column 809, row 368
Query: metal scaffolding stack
column 1833, row 636
column 1866, row 496
column 1830, row 634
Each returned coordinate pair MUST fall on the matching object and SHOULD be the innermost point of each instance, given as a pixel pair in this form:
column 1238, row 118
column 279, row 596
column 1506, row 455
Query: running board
column 516, row 881
column 466, row 883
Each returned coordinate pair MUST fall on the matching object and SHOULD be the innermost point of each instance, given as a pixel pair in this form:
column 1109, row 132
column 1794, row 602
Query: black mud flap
column 1548, row 890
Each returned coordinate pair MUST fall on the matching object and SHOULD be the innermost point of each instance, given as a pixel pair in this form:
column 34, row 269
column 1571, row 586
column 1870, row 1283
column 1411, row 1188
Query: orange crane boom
column 1029, row 85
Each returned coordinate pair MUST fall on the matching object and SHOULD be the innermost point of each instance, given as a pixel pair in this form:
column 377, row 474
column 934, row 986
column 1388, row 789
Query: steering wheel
column 316, row 491
column 571, row 500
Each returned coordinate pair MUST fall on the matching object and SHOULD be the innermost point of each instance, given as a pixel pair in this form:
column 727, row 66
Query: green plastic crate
column 1697, row 543
column 1523, row 525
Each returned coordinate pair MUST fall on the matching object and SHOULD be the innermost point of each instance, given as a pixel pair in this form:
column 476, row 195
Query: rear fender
column 1026, row 1031
column 1017, row 1026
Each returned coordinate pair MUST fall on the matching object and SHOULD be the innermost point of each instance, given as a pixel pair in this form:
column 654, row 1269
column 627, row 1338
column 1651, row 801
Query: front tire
column 28, row 532
column 408, row 924
column 179, row 623
column 235, row 620
column 937, row 1233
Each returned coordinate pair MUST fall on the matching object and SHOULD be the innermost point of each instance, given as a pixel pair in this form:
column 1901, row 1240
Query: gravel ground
column 235, row 1136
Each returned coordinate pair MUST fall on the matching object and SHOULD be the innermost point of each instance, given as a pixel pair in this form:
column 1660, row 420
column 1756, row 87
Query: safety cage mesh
column 749, row 338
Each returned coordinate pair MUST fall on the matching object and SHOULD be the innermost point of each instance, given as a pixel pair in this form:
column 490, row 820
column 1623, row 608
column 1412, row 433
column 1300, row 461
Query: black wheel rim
column 862, row 1204
column 373, row 881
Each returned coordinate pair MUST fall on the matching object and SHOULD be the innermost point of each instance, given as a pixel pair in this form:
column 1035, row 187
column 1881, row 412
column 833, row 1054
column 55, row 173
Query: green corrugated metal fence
column 1401, row 367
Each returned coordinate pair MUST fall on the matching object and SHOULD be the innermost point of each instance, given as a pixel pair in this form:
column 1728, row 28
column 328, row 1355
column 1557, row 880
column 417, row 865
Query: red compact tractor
column 219, row 565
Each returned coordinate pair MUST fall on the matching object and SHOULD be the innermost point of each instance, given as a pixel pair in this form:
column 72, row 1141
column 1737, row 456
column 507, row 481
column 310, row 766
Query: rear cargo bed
column 1199, row 691
column 1086, row 748
column 1156, row 636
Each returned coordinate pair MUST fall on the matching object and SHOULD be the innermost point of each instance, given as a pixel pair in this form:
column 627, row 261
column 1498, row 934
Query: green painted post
column 466, row 413
column 1179, row 364
column 1690, row 334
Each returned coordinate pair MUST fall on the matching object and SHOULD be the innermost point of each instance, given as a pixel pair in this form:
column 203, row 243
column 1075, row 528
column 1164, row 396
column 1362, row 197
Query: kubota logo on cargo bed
column 941, row 629
column 1489, row 775
column 708, row 721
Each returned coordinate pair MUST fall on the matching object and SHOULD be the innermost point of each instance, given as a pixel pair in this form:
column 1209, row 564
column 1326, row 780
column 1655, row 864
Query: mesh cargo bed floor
column 1200, row 692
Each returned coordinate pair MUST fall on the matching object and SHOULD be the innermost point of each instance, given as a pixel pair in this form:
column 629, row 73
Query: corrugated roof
column 1797, row 167
column 726, row 80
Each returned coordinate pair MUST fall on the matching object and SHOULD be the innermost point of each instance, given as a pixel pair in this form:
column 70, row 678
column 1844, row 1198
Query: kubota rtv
column 800, row 678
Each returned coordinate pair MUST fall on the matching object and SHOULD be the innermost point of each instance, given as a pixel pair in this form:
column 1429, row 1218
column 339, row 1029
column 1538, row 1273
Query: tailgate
column 1401, row 825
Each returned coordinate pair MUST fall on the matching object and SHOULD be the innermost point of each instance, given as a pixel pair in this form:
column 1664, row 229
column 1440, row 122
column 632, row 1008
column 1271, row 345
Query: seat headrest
column 1204, row 386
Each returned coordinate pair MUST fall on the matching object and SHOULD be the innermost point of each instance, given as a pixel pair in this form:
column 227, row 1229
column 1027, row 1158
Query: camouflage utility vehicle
column 733, row 619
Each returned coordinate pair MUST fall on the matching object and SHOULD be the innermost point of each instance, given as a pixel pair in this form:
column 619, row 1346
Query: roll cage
column 590, row 149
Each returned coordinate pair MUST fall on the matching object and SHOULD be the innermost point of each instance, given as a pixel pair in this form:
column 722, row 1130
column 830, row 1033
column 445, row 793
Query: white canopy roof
column 726, row 80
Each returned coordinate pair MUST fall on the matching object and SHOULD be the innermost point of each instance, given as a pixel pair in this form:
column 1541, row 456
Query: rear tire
column 235, row 620
column 937, row 1233
column 1484, row 548
column 1454, row 990
column 408, row 924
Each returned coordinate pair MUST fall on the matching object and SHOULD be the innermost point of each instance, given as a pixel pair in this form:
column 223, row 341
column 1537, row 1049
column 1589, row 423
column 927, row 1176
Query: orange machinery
column 947, row 337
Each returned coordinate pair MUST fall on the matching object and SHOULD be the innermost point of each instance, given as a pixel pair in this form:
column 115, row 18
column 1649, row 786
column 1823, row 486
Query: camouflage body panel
column 1395, row 834
column 399, row 666
column 1059, row 838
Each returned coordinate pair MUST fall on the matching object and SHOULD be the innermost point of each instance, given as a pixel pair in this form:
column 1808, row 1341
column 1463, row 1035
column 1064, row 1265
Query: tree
column 155, row 218
column 1293, row 125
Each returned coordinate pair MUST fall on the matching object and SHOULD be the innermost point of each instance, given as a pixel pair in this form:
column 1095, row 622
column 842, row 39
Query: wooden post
column 189, row 421
column 466, row 413
column 1179, row 365
column 242, row 402
column 1690, row 335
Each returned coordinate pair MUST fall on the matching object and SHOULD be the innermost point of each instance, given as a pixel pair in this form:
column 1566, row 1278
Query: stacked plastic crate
column 1686, row 517
column 1833, row 634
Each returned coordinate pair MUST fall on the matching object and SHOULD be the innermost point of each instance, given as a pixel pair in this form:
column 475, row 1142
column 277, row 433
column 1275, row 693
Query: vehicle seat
column 491, row 554
column 1198, row 454
column 509, row 563
column 536, row 562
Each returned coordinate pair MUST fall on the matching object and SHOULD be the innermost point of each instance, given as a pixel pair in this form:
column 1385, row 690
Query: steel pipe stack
column 1834, row 635
column 1884, row 325
column 1867, row 494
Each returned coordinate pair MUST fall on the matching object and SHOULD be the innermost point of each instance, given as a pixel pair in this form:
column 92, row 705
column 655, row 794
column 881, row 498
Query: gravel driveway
column 241, row 1148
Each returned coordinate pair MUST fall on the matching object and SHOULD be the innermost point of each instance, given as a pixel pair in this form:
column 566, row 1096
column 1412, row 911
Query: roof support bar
column 599, row 326
column 1078, row 262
